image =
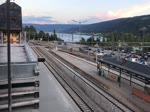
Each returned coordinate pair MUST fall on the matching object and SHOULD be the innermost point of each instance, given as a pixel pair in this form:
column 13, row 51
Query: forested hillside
column 127, row 25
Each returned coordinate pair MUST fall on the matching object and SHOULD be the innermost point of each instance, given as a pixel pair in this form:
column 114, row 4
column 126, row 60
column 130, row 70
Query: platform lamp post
column 9, row 58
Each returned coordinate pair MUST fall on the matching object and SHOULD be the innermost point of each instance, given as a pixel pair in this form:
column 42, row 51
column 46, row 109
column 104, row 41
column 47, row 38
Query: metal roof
column 141, row 71
column 15, row 17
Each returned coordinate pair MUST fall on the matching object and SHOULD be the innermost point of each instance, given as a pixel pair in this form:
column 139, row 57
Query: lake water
column 73, row 37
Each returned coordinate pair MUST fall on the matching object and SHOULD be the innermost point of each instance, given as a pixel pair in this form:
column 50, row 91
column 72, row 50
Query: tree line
column 113, row 40
column 118, row 37
column 32, row 34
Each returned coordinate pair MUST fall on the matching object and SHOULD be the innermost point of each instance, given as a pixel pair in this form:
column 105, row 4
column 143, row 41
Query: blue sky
column 91, row 11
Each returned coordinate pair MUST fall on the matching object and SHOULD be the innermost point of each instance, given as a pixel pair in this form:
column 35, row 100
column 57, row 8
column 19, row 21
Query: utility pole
column 9, row 58
column 72, row 41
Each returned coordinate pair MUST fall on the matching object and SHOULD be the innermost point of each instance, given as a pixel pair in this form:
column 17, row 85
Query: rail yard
column 101, row 67
column 95, row 92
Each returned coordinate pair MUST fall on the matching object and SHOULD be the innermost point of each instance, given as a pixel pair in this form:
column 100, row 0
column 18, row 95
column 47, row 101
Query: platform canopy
column 135, row 70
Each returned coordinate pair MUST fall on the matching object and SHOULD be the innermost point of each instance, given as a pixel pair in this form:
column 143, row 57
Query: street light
column 80, row 22
column 143, row 29
column 119, row 46
column 135, row 40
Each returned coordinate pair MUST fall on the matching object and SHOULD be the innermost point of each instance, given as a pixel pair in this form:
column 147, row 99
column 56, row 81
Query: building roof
column 141, row 71
column 15, row 17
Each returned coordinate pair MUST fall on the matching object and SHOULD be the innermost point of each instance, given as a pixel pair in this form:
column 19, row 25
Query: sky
column 84, row 11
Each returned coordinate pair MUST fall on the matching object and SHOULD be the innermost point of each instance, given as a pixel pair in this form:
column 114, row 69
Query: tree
column 41, row 35
column 82, row 40
column 98, row 40
column 89, row 40
column 47, row 37
column 31, row 31
column 55, row 35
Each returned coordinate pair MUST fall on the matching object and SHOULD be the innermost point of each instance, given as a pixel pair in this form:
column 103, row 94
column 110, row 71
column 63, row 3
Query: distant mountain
column 51, row 27
column 132, row 24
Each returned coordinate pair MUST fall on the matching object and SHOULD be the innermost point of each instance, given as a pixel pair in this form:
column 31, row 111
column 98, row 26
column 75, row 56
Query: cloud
column 37, row 16
column 38, row 20
column 129, row 12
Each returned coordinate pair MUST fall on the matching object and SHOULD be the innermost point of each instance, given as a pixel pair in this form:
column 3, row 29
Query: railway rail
column 84, row 104
column 75, row 93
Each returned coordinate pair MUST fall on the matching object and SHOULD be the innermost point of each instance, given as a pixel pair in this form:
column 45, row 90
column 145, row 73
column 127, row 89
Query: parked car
column 100, row 53
column 145, row 57
column 148, row 54
column 143, row 62
column 112, row 53
column 133, row 59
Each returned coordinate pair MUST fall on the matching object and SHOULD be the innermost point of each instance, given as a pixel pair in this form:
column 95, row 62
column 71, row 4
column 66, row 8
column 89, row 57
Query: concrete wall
column 18, row 70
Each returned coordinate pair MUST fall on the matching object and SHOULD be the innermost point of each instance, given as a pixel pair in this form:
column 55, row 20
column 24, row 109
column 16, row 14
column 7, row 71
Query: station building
column 15, row 23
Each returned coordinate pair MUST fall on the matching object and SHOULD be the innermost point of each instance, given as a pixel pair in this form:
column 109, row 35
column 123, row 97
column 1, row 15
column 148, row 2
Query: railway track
column 78, row 96
column 125, row 79
column 93, row 106
column 97, row 83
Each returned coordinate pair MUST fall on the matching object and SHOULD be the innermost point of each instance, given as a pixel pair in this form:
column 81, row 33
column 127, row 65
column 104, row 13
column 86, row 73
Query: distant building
column 15, row 22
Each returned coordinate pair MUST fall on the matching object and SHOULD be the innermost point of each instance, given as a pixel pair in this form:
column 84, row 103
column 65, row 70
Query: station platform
column 53, row 98
column 123, row 93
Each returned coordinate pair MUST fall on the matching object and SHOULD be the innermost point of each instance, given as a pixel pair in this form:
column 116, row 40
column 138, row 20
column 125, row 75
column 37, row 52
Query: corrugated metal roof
column 141, row 70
